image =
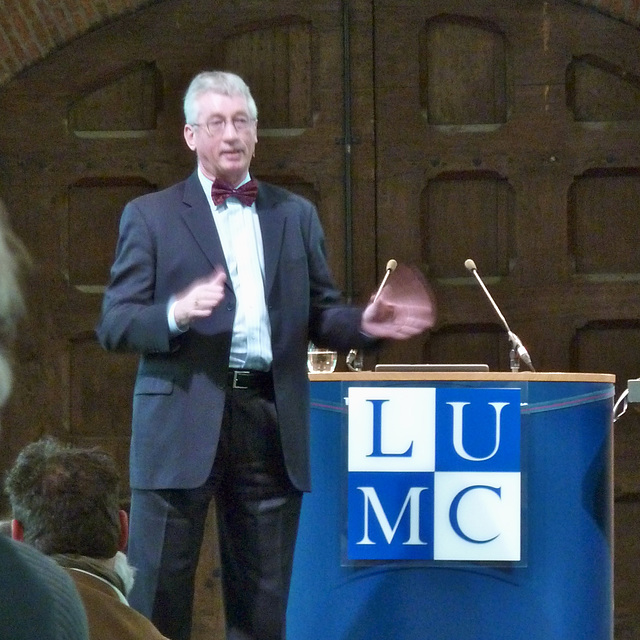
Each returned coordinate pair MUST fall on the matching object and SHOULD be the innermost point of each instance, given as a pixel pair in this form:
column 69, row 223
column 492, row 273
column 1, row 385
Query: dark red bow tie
column 246, row 192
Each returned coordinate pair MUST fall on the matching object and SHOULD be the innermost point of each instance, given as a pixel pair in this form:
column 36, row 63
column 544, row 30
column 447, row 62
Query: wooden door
column 99, row 123
column 507, row 132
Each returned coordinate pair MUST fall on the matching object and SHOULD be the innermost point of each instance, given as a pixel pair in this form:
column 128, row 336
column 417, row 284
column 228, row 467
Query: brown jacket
column 109, row 617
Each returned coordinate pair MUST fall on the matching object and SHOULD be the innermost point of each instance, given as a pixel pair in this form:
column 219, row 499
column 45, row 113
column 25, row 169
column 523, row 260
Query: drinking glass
column 321, row 360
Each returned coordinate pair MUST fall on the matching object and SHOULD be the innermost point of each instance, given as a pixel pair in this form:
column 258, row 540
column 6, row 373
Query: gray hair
column 220, row 82
column 66, row 498
column 13, row 256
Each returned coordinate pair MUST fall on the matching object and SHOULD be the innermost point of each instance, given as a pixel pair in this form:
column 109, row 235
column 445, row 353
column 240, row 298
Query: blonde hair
column 13, row 256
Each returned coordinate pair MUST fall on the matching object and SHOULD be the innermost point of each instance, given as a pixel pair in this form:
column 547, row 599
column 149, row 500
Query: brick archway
column 30, row 30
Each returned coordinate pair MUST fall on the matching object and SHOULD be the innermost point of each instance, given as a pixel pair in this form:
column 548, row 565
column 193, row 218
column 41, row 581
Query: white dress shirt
column 239, row 230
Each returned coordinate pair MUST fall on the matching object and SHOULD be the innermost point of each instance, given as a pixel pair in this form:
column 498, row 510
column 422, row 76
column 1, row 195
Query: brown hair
column 66, row 498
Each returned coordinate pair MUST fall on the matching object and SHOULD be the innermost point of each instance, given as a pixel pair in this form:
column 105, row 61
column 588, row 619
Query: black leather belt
column 247, row 379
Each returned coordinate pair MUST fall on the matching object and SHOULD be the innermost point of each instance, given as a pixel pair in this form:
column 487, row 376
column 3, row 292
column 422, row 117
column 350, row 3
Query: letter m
column 412, row 501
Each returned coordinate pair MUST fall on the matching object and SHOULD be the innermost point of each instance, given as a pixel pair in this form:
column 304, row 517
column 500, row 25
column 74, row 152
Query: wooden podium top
column 523, row 376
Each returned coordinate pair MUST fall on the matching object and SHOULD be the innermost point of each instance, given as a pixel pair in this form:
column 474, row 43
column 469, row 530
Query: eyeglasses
column 216, row 126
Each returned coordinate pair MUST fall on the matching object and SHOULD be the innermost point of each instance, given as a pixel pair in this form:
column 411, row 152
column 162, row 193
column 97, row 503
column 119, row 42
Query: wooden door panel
column 596, row 198
column 463, row 76
column 482, row 206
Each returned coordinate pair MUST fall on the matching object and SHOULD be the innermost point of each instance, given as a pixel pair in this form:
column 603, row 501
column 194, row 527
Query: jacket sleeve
column 132, row 319
column 332, row 323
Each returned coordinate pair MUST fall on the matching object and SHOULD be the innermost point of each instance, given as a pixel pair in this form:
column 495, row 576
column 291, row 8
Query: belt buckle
column 237, row 376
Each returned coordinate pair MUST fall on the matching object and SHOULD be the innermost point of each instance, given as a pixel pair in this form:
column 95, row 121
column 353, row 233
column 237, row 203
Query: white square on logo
column 477, row 516
column 391, row 429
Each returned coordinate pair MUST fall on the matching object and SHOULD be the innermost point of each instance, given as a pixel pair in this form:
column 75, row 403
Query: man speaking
column 219, row 282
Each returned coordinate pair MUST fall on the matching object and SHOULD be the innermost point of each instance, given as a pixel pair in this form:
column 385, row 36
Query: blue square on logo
column 390, row 516
column 477, row 429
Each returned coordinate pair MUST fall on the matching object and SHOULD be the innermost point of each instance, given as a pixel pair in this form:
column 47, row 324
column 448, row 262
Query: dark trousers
column 257, row 512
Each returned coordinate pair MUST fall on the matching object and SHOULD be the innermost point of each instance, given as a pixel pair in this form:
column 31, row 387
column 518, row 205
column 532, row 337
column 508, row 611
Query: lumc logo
column 434, row 474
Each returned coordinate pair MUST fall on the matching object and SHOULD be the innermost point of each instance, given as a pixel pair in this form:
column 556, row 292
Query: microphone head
column 470, row 264
column 391, row 265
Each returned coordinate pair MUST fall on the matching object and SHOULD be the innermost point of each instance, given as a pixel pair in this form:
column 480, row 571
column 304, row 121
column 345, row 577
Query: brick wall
column 32, row 29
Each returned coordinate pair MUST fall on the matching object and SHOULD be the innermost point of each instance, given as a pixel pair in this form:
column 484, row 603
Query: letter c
column 453, row 512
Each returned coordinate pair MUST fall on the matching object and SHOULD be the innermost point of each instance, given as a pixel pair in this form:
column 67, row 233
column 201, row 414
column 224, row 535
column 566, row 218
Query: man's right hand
column 405, row 307
column 200, row 298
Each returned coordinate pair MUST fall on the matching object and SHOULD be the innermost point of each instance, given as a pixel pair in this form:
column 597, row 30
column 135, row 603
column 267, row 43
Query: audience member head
column 65, row 500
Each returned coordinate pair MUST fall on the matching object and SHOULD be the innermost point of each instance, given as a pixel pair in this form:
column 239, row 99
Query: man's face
column 225, row 149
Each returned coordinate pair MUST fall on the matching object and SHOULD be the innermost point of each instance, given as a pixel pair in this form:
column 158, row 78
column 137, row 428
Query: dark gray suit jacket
column 167, row 240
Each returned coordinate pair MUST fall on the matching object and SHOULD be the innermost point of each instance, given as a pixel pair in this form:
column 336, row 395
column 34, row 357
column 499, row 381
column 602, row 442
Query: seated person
column 37, row 599
column 65, row 503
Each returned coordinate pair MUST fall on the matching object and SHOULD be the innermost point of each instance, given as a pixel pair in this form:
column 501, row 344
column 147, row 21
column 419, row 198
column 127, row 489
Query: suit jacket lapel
column 199, row 219
column 272, row 223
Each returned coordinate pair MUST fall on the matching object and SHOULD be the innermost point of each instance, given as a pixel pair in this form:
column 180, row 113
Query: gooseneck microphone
column 516, row 343
column 354, row 358
column 391, row 267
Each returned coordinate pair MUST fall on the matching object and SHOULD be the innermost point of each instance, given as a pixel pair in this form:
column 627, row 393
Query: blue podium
column 563, row 587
